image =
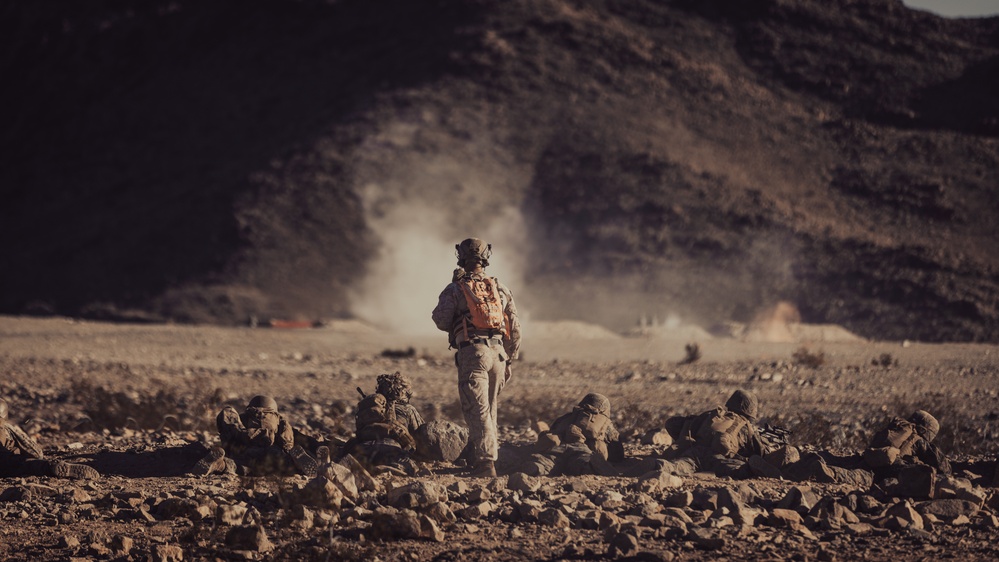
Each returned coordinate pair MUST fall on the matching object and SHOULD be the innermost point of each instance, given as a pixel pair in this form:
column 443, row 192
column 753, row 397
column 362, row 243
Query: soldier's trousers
column 481, row 370
column 25, row 467
column 701, row 459
column 569, row 460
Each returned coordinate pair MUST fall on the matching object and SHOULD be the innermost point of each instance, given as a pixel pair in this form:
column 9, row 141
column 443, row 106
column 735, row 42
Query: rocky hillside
column 208, row 161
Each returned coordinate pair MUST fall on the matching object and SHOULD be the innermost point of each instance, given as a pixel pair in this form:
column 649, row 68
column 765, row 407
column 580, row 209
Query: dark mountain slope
column 207, row 161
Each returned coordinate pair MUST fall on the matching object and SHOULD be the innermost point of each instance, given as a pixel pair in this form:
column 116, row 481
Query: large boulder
column 440, row 440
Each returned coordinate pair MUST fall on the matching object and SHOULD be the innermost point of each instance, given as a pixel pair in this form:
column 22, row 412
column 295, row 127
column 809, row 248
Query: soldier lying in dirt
column 386, row 423
column 20, row 455
column 579, row 442
column 900, row 445
column 257, row 442
column 725, row 441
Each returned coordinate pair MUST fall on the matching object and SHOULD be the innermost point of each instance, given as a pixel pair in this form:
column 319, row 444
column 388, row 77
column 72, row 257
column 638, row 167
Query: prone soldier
column 20, row 455
column 386, row 423
column 579, row 442
column 256, row 442
column 398, row 391
column 726, row 441
column 900, row 444
column 907, row 442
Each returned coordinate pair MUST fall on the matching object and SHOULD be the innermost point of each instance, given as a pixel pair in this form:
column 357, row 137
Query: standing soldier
column 479, row 315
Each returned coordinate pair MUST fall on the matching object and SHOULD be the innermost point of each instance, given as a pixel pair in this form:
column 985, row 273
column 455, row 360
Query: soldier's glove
column 574, row 435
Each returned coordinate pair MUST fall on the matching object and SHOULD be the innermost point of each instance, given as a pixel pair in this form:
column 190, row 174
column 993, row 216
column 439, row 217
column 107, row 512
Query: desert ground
column 137, row 402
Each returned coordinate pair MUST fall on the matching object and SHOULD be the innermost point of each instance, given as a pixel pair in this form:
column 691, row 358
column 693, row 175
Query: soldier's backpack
column 899, row 433
column 892, row 442
column 592, row 425
column 719, row 431
column 484, row 304
column 373, row 408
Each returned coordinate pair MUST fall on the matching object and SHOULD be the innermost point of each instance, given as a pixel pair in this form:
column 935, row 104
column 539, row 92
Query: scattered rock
column 322, row 492
column 553, row 518
column 478, row 510
column 520, row 482
column 430, row 530
column 230, row 514
column 121, row 545
column 248, row 537
column 623, row 544
column 68, row 541
column 948, row 510
column 705, row 538
column 388, row 523
column 799, row 498
column 420, row 493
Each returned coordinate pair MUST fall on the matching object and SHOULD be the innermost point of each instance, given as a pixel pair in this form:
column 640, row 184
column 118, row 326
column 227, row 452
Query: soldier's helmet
column 473, row 249
column 263, row 402
column 596, row 403
column 395, row 387
column 925, row 422
column 3, row 409
column 743, row 403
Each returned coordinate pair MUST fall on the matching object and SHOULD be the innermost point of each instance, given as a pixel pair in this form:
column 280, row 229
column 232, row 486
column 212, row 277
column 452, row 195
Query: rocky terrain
column 137, row 402
column 212, row 161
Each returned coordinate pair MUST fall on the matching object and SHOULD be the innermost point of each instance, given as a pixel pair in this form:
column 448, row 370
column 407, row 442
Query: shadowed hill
column 205, row 161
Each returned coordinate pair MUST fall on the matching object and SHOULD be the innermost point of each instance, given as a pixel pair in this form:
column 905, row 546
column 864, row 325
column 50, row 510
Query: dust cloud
column 416, row 260
column 773, row 324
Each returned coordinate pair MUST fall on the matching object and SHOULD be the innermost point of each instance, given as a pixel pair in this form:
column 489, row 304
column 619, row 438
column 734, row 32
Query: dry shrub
column 806, row 358
column 108, row 408
column 884, row 360
column 692, row 353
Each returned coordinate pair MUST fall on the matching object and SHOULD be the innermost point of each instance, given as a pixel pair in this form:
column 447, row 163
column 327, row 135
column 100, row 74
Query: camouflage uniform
column 259, row 440
column 579, row 442
column 898, row 445
column 398, row 391
column 20, row 455
column 722, row 440
column 912, row 441
column 385, row 423
column 483, row 357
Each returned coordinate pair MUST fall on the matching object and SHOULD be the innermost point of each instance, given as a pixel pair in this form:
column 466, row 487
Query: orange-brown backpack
column 484, row 303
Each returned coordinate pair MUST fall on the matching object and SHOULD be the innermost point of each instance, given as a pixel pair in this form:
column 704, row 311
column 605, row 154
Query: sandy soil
column 74, row 385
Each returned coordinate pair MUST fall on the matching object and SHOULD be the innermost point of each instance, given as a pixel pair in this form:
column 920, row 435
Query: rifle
column 774, row 437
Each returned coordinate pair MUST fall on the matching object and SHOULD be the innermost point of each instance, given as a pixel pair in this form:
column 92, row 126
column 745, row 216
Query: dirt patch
column 161, row 386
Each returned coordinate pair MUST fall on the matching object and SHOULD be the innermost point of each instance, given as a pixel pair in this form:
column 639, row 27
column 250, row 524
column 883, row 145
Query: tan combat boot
column 63, row 469
column 213, row 462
